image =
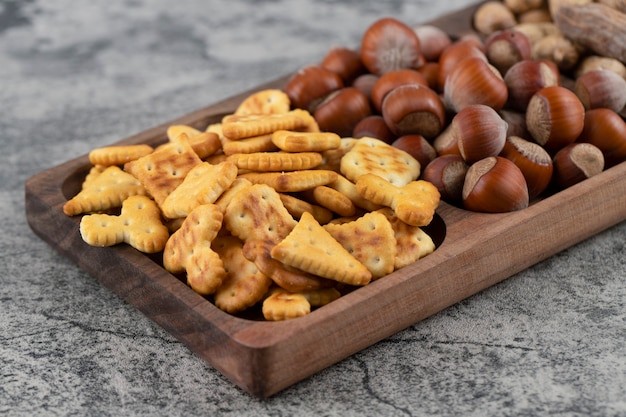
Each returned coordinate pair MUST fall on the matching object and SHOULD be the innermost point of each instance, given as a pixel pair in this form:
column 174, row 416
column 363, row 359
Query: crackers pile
column 262, row 209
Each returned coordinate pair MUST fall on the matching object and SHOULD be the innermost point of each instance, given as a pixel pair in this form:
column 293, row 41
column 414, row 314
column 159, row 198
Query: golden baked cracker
column 331, row 158
column 189, row 250
column 411, row 241
column 269, row 101
column 296, row 206
column 244, row 285
column 256, row 213
column 276, row 161
column 236, row 127
column 104, row 190
column 237, row 185
column 370, row 239
column 286, row 277
column 164, row 169
column 373, row 156
column 312, row 249
column 348, row 188
column 202, row 185
column 290, row 141
column 139, row 225
column 332, row 199
column 174, row 131
column 414, row 203
column 284, row 305
column 118, row 154
column 292, row 181
column 94, row 172
column 261, row 143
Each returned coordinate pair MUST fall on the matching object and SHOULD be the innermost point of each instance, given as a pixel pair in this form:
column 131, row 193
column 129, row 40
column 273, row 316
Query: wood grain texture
column 476, row 251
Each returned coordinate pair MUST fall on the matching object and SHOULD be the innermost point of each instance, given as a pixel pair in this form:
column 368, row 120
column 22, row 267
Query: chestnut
column 577, row 162
column 447, row 173
column 474, row 81
column 555, row 117
column 309, row 85
column 494, row 185
column 605, row 129
column 417, row 146
column 389, row 44
column 341, row 110
column 534, row 162
column 414, row 109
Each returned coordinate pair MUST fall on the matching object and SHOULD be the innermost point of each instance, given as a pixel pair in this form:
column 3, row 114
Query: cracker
column 103, row 190
column 236, row 127
column 237, row 185
column 331, row 158
column 244, row 285
column 348, row 188
column 118, row 155
column 203, row 185
column 414, row 203
column 411, row 241
column 373, row 156
column 261, row 143
column 94, row 172
column 370, row 239
column 257, row 213
column 312, row 249
column 139, row 225
column 276, row 161
column 293, row 181
column 204, row 143
column 164, row 169
column 189, row 250
column 321, row 297
column 269, row 101
column 332, row 199
column 286, row 277
column 284, row 305
column 290, row 141
column 296, row 206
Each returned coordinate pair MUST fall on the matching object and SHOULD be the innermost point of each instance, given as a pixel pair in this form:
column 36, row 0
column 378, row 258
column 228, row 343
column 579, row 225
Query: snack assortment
column 261, row 209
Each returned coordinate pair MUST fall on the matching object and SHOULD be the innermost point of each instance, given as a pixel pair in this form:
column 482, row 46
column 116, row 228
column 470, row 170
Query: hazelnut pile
column 493, row 125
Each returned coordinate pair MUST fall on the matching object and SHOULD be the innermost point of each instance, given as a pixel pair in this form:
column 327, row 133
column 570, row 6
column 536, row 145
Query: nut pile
column 496, row 118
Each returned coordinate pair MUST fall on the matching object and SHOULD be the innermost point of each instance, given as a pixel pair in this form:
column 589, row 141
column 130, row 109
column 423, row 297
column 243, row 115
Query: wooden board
column 474, row 252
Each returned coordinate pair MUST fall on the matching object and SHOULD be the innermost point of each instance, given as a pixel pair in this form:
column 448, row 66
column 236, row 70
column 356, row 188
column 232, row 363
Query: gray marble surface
column 77, row 75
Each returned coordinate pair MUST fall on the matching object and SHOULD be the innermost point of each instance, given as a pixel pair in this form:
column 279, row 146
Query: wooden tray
column 475, row 251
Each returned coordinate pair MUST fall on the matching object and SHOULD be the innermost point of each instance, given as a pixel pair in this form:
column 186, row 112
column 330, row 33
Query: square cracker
column 373, row 156
column 164, row 169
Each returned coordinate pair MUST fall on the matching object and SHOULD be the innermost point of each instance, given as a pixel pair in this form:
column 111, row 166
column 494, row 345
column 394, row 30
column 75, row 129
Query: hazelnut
column 474, row 81
column 527, row 77
column 344, row 62
column 373, row 126
column 492, row 16
column 389, row 44
column 606, row 129
column 555, row 117
column 494, row 185
column 417, row 146
column 433, row 41
column 534, row 162
column 601, row 88
column 414, row 109
column 577, row 162
column 447, row 173
column 341, row 110
column 311, row 84
column 392, row 79
column 507, row 47
column 455, row 53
